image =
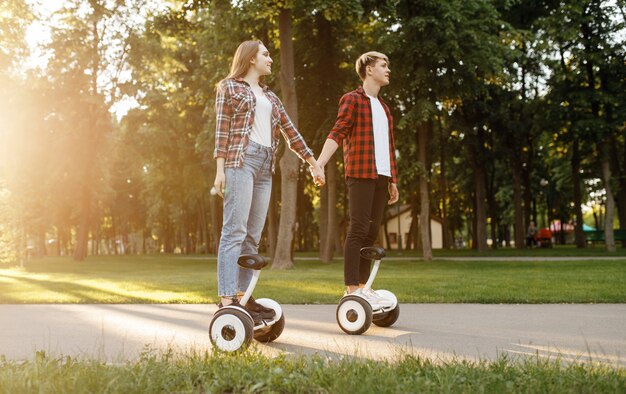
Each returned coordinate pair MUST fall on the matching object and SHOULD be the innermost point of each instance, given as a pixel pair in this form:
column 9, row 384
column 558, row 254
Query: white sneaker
column 373, row 299
column 370, row 294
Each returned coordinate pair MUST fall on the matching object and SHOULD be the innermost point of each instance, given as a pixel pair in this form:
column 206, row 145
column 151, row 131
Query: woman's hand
column 220, row 181
column 317, row 172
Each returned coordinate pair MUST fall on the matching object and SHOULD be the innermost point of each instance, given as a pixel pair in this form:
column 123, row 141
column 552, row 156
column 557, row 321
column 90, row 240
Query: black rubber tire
column 389, row 318
column 274, row 331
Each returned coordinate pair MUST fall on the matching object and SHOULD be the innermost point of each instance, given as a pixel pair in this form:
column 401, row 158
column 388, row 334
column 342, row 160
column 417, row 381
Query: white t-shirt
column 381, row 137
column 262, row 127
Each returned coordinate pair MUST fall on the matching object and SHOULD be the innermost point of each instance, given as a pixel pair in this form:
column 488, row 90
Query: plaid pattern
column 234, row 108
column 354, row 128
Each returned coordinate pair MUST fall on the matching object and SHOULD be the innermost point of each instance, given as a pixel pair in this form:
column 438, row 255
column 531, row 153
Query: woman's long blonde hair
column 245, row 52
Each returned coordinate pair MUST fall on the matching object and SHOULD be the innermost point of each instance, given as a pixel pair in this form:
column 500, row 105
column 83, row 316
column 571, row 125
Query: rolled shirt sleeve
column 223, row 114
column 345, row 119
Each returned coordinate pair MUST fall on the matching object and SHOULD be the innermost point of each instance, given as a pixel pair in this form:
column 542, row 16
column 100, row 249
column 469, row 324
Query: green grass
column 180, row 279
column 253, row 372
column 558, row 251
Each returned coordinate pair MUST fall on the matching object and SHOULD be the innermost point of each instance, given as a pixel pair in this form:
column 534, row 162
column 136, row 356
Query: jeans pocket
column 254, row 160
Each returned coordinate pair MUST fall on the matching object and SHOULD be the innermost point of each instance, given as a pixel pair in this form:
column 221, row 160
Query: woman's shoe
column 256, row 317
column 264, row 312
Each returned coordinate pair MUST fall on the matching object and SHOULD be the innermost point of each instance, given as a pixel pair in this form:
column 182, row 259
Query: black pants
column 367, row 199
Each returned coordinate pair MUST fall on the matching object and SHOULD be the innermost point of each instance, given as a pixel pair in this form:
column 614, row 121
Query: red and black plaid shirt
column 355, row 129
column 235, row 107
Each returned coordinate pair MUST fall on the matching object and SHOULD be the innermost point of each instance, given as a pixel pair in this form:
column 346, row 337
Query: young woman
column 365, row 126
column 250, row 118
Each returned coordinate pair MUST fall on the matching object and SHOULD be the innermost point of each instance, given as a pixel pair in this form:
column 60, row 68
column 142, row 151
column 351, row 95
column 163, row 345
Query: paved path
column 118, row 333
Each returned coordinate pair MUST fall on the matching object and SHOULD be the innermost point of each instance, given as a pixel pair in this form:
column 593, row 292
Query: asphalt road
column 118, row 333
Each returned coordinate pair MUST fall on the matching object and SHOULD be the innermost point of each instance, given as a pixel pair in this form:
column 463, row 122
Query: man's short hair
column 368, row 59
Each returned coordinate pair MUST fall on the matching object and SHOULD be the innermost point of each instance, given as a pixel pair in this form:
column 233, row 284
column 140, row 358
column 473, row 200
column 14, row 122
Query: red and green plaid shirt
column 355, row 129
column 235, row 107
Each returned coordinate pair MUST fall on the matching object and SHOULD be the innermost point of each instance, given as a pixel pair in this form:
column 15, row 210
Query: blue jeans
column 247, row 194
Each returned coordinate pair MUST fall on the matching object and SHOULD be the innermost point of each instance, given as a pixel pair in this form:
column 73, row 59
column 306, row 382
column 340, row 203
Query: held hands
column 317, row 172
column 394, row 195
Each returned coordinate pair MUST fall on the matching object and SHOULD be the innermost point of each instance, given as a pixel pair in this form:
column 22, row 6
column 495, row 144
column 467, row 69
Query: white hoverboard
column 232, row 327
column 355, row 314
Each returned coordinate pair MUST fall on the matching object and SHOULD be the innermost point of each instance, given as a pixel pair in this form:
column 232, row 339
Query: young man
column 365, row 126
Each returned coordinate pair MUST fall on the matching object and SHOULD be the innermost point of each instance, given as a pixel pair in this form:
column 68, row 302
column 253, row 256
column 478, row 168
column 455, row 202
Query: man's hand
column 394, row 196
column 317, row 172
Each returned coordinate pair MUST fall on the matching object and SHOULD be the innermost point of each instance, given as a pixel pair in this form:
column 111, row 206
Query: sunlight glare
column 39, row 32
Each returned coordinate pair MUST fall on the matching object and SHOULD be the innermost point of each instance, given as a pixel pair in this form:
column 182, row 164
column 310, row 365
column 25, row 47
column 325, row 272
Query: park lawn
column 591, row 251
column 252, row 372
column 192, row 279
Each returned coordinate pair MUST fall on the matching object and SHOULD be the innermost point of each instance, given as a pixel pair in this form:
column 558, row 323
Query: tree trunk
column 480, row 185
column 86, row 179
column 504, row 234
column 492, row 205
column 216, row 223
column 92, row 131
column 481, row 216
column 323, row 228
column 620, row 174
column 579, row 235
column 446, row 241
column 519, row 231
column 427, row 252
column 41, row 249
column 332, row 230
column 526, row 190
column 413, row 241
column 204, row 226
column 289, row 162
column 609, row 237
column 494, row 226
column 386, row 234
column 82, row 233
column 95, row 243
column 471, row 230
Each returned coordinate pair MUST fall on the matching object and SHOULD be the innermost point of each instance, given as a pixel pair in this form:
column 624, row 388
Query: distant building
column 436, row 228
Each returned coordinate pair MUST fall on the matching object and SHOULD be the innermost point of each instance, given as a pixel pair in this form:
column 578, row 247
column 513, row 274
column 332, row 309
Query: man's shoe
column 264, row 312
column 372, row 298
column 382, row 301
column 256, row 317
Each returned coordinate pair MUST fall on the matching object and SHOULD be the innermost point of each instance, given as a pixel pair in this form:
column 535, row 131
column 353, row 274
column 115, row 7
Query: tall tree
column 524, row 64
column 582, row 91
column 289, row 163
column 441, row 51
column 20, row 119
column 85, row 64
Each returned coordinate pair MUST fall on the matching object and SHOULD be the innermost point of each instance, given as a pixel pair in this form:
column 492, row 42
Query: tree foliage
column 517, row 106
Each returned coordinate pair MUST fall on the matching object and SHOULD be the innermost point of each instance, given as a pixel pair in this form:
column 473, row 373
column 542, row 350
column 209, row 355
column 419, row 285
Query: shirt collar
column 361, row 91
column 263, row 86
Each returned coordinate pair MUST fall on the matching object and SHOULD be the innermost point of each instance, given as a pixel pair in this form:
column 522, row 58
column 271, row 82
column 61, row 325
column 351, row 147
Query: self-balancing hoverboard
column 232, row 327
column 355, row 313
